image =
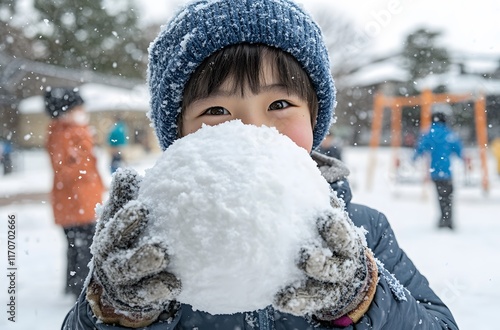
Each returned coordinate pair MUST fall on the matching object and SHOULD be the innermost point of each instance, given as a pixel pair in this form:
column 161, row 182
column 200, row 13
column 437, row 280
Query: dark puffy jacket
column 403, row 299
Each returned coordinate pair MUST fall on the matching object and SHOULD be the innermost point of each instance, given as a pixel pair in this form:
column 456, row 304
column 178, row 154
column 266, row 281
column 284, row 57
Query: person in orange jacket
column 77, row 186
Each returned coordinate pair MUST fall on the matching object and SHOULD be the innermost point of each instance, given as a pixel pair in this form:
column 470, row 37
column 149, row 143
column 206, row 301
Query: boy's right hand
column 341, row 273
column 129, row 284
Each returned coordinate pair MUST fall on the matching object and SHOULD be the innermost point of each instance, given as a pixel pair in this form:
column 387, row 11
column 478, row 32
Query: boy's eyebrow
column 266, row 88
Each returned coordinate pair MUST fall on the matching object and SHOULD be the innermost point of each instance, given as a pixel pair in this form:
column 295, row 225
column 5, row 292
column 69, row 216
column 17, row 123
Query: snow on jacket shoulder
column 403, row 299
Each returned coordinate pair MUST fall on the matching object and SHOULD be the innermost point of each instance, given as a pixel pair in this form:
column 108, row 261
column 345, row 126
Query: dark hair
column 439, row 117
column 60, row 100
column 243, row 63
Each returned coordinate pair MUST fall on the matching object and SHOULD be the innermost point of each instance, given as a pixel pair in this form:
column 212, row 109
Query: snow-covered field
column 460, row 265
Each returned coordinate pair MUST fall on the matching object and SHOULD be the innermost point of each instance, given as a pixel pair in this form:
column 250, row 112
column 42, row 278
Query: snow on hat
column 206, row 26
column 60, row 100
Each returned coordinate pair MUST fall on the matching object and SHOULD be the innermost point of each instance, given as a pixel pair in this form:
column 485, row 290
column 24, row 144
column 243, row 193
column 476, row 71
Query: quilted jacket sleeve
column 403, row 299
column 81, row 317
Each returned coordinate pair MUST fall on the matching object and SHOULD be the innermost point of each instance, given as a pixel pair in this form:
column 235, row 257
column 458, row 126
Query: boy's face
column 271, row 106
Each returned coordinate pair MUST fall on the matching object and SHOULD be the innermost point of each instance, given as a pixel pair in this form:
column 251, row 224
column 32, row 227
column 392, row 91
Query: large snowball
column 234, row 203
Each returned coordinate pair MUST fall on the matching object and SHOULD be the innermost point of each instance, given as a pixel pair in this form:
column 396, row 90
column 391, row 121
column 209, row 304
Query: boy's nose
column 252, row 118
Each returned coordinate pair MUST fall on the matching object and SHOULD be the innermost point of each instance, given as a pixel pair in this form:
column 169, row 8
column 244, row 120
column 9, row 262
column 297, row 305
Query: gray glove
column 340, row 272
column 129, row 285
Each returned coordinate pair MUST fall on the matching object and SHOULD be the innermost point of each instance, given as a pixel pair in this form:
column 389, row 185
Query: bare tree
column 347, row 47
column 346, row 44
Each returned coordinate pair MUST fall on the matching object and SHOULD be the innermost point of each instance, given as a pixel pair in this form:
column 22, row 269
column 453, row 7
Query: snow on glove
column 130, row 285
column 341, row 274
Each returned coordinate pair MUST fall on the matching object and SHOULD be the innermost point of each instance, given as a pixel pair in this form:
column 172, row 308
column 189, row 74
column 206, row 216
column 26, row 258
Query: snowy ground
column 460, row 265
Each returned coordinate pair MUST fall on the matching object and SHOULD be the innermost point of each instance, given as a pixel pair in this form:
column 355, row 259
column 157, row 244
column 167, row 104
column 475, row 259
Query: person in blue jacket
column 441, row 143
column 117, row 139
column 6, row 156
column 263, row 62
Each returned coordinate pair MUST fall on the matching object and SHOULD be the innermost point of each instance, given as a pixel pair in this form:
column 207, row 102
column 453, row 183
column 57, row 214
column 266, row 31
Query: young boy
column 262, row 62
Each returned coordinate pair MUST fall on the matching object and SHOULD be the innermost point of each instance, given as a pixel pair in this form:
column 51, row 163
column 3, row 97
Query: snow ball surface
column 234, row 203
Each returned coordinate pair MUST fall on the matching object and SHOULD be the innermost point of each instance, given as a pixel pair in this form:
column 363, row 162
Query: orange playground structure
column 425, row 100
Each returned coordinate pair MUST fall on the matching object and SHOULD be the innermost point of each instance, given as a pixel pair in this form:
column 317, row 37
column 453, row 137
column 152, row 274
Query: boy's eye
column 216, row 111
column 278, row 105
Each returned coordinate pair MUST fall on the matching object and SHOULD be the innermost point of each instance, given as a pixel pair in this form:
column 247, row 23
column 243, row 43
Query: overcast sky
column 468, row 26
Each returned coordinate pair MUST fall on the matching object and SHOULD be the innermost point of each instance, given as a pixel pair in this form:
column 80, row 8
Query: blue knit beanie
column 206, row 26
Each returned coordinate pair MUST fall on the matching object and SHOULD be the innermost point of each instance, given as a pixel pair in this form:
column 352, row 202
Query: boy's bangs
column 243, row 65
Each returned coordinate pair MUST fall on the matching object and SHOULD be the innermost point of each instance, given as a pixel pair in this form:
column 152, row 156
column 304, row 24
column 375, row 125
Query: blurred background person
column 77, row 186
column 330, row 147
column 495, row 150
column 117, row 139
column 6, row 156
column 441, row 142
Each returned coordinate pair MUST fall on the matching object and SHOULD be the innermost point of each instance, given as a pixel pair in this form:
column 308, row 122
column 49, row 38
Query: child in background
column 77, row 184
column 263, row 62
column 440, row 142
column 495, row 149
column 117, row 140
column 330, row 147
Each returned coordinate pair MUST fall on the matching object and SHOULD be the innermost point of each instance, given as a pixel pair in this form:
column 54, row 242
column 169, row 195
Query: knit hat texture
column 60, row 100
column 205, row 26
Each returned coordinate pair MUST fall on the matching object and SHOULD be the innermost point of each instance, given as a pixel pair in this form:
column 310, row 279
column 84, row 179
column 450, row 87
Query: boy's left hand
column 341, row 274
column 130, row 284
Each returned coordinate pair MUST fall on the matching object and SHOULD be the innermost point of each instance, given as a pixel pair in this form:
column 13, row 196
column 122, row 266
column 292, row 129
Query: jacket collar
column 331, row 168
column 335, row 173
